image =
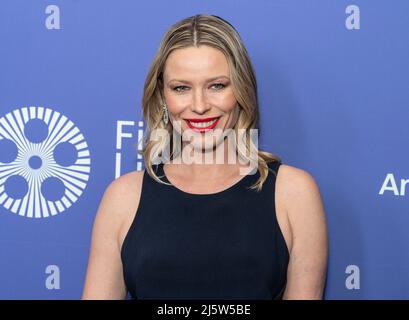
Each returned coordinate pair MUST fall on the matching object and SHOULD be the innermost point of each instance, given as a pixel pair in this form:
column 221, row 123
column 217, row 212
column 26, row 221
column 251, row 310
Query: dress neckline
column 213, row 194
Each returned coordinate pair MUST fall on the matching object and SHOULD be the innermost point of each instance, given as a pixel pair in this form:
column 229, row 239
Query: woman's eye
column 217, row 86
column 177, row 89
column 220, row 85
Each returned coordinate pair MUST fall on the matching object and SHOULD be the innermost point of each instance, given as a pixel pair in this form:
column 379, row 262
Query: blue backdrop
column 333, row 85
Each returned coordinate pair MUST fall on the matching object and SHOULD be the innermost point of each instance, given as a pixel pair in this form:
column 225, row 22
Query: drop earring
column 165, row 114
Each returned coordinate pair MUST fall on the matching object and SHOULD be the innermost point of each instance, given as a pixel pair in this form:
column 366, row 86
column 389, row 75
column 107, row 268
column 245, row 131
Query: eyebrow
column 208, row 80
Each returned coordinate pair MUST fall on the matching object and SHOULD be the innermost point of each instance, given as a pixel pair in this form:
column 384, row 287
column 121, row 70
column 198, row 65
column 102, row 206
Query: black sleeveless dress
column 224, row 245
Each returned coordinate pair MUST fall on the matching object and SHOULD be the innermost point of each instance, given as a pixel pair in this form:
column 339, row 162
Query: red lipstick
column 202, row 125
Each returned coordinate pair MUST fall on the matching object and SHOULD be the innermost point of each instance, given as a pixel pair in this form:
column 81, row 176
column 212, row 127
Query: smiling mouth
column 202, row 124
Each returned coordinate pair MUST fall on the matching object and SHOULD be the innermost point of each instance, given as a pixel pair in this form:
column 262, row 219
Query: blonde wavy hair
column 215, row 32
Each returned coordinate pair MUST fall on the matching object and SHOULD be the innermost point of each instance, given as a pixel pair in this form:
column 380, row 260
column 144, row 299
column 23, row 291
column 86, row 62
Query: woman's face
column 199, row 95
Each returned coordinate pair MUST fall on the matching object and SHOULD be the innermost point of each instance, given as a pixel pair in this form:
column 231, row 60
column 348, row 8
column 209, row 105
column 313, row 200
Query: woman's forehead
column 196, row 62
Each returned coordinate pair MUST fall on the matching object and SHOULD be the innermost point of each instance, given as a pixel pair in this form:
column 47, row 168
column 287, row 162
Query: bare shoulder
column 120, row 201
column 299, row 201
column 121, row 192
column 104, row 278
column 126, row 181
column 297, row 185
column 295, row 179
column 303, row 208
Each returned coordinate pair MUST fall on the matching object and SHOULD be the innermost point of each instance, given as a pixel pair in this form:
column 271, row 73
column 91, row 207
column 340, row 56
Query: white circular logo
column 44, row 162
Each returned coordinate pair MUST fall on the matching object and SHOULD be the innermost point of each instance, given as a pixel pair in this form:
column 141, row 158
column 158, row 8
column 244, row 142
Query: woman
column 190, row 229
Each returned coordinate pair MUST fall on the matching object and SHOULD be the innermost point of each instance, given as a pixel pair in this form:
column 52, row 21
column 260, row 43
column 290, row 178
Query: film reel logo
column 44, row 162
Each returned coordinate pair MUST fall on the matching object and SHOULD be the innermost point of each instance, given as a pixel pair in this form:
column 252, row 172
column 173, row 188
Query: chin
column 204, row 144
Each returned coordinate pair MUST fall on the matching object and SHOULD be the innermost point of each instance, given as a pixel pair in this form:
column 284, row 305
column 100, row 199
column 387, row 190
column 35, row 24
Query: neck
column 217, row 163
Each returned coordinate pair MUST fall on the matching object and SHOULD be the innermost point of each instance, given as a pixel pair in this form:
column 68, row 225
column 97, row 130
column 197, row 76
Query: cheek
column 179, row 103
column 175, row 105
column 227, row 104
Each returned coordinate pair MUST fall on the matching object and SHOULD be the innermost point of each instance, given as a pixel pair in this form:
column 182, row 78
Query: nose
column 199, row 102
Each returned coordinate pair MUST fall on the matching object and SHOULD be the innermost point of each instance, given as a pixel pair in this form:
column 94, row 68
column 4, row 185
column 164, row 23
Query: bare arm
column 308, row 258
column 104, row 279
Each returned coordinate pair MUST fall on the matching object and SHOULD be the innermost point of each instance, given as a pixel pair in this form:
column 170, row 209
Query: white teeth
column 202, row 124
